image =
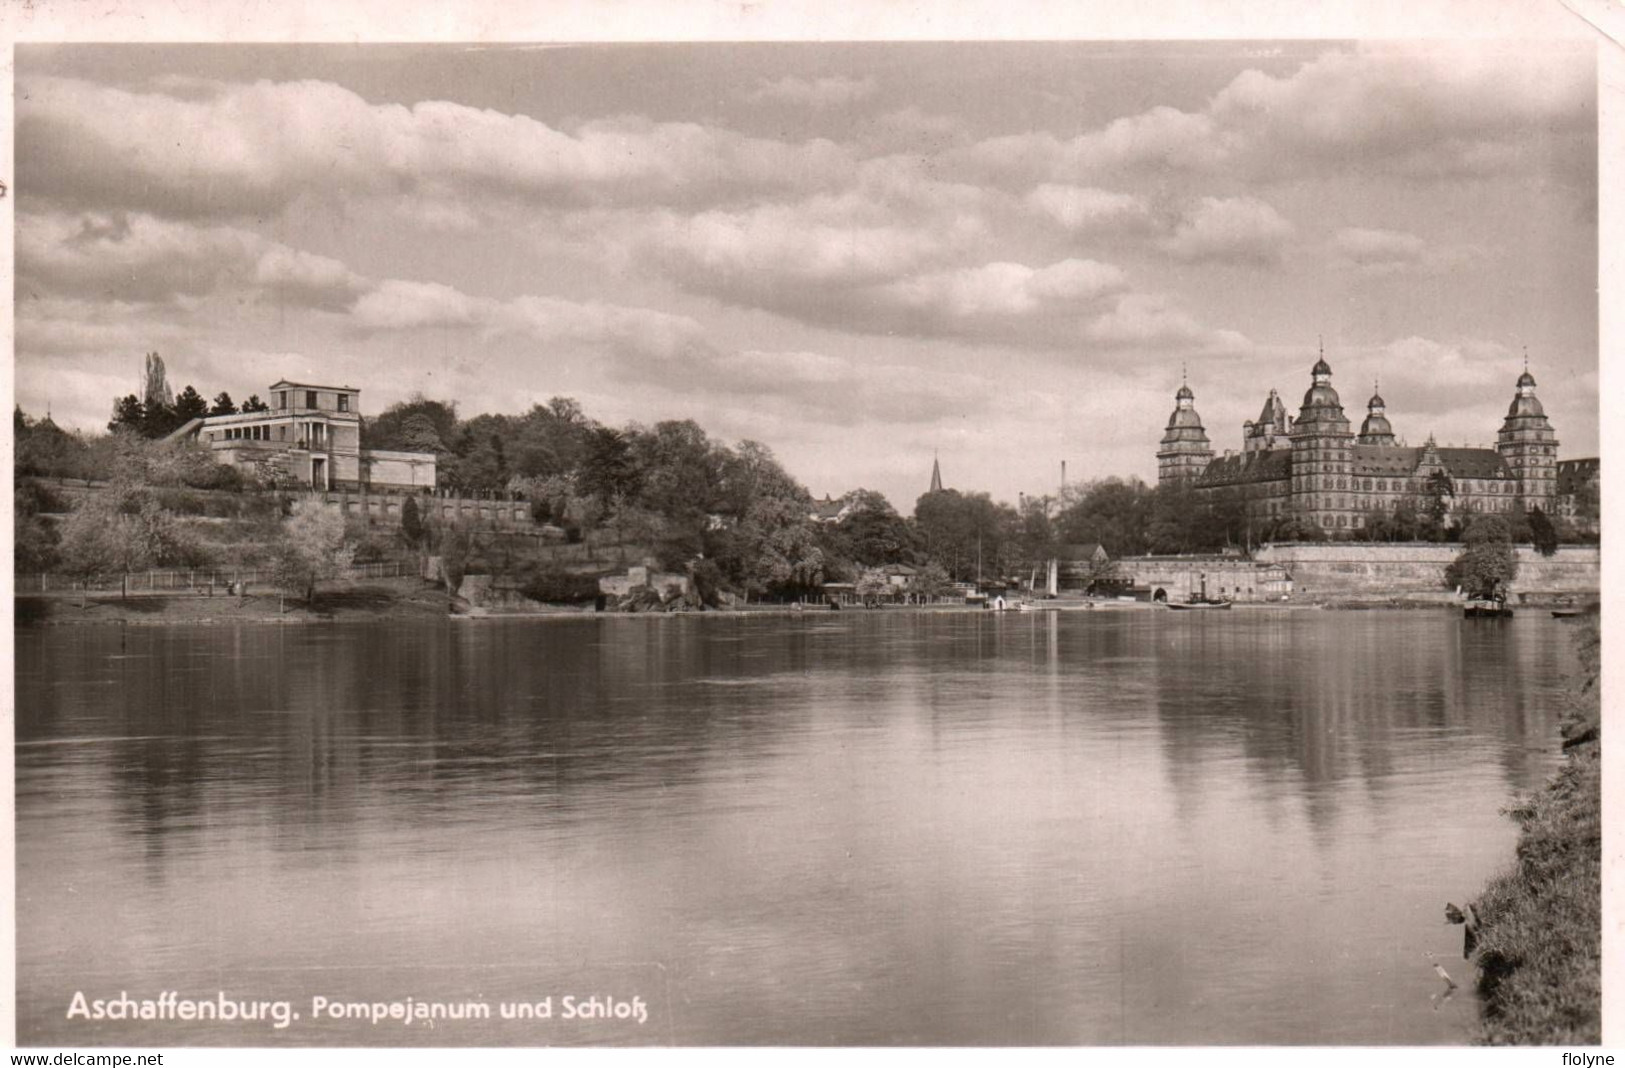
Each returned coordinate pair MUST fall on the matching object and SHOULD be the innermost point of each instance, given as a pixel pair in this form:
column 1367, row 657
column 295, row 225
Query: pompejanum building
column 1318, row 467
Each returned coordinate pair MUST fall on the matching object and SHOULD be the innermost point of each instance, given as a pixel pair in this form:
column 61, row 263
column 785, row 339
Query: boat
column 1486, row 610
column 1192, row 606
column 1568, row 613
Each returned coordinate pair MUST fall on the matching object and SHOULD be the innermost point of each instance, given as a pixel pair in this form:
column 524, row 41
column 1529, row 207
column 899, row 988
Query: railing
column 190, row 579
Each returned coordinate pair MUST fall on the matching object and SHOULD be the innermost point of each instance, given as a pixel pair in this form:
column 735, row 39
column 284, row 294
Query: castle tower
column 1528, row 444
column 1185, row 448
column 1322, row 454
column 1376, row 429
column 1270, row 431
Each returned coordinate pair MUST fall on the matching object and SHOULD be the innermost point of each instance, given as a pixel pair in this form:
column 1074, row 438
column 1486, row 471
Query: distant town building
column 1317, row 467
column 1182, row 578
column 831, row 509
column 310, row 436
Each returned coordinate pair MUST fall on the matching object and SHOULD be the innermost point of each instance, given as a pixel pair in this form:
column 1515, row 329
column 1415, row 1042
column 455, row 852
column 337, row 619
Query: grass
column 1540, row 947
column 406, row 597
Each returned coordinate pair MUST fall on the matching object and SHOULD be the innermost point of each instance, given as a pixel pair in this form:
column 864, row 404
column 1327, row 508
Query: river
column 1120, row 826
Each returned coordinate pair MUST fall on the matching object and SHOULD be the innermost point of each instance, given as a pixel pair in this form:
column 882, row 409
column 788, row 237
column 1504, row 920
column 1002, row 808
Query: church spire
column 936, row 475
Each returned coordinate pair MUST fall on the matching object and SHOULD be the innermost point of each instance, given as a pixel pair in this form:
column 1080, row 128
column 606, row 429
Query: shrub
column 551, row 584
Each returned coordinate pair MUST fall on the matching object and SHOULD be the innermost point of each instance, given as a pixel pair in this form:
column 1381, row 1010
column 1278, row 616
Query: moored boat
column 1192, row 606
column 1486, row 610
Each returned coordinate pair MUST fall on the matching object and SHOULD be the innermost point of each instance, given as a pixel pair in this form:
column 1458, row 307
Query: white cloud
column 1081, row 209
column 1236, row 229
column 1381, row 253
column 246, row 149
column 1424, row 112
column 1004, row 290
column 137, row 257
column 1149, row 321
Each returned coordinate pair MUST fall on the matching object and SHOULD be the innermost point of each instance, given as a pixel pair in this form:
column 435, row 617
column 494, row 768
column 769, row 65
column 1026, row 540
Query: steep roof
column 1572, row 474
column 1261, row 466
column 829, row 508
column 1473, row 463
column 1079, row 552
column 1402, row 461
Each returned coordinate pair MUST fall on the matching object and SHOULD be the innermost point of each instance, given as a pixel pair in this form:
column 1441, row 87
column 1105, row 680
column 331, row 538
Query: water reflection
column 867, row 828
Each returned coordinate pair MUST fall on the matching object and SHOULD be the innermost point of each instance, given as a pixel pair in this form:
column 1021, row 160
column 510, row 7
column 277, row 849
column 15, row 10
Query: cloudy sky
column 857, row 254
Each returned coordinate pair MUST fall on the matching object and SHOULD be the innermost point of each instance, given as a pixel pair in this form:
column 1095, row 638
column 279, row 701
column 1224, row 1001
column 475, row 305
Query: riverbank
column 1540, row 936
column 406, row 598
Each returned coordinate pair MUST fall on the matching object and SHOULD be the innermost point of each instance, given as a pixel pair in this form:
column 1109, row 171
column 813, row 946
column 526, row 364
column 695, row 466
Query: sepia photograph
column 814, row 543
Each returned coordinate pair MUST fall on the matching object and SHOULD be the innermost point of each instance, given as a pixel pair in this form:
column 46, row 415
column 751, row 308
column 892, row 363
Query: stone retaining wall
column 1419, row 568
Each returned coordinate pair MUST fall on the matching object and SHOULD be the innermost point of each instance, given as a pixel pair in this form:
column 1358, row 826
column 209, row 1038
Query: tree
column 1118, row 514
column 312, row 547
column 872, row 531
column 254, row 404
column 224, row 405
column 1542, row 533
column 411, row 522
column 128, row 414
column 431, row 433
column 43, row 448
column 780, row 549
column 1486, row 567
column 121, row 530
column 929, row 580
column 608, row 475
column 418, row 433
column 872, row 585
column 965, row 532
column 34, row 540
column 1438, row 495
column 453, row 557
column 155, row 391
column 189, row 405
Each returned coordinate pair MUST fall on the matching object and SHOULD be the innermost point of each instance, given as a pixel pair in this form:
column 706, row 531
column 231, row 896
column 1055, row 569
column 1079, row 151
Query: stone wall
column 1332, row 569
column 464, row 510
column 1178, row 578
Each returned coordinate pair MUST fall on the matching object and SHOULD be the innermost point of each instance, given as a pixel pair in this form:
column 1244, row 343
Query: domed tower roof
column 1322, row 410
column 1320, row 393
column 1525, row 404
column 1376, row 429
column 1185, row 449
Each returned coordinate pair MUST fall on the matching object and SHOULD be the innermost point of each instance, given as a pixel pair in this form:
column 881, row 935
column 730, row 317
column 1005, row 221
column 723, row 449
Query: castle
column 1316, row 468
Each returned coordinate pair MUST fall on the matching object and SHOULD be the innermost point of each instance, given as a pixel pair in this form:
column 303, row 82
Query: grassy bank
column 1540, row 944
column 409, row 598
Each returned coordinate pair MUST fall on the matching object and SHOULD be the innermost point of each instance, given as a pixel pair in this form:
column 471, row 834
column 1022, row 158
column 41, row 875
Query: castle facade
column 1317, row 467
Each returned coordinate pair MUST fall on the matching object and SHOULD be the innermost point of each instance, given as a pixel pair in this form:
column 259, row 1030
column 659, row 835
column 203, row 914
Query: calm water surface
column 1110, row 827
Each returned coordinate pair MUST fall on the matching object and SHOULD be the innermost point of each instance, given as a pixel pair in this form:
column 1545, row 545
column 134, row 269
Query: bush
column 182, row 501
column 709, row 582
column 32, row 498
column 551, row 584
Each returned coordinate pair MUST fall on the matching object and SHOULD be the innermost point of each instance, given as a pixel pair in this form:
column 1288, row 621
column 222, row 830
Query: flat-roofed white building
column 310, row 435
